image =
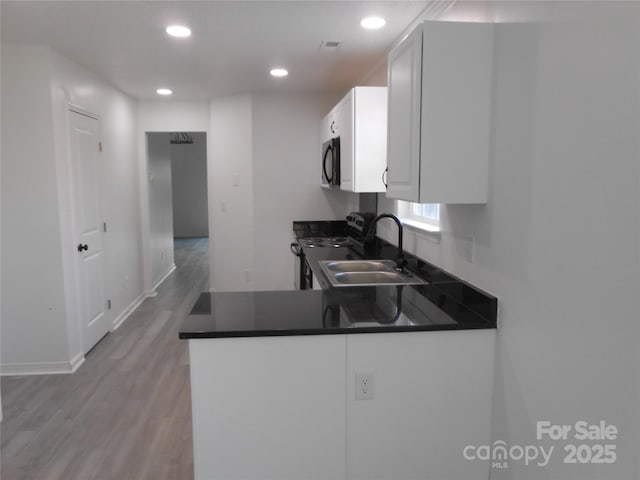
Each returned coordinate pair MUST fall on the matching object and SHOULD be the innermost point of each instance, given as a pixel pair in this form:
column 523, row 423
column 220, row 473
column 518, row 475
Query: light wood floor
column 126, row 413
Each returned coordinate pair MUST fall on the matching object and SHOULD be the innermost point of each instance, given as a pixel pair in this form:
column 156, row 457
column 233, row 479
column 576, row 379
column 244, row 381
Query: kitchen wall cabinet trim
column 439, row 126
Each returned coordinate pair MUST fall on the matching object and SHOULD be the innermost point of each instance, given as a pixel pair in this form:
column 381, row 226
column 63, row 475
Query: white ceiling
column 233, row 46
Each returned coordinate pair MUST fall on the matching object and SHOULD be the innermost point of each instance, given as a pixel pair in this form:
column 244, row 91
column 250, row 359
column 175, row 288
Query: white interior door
column 92, row 301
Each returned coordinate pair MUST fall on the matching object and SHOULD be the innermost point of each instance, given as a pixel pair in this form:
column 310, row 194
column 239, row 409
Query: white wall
column 73, row 84
column 189, row 187
column 33, row 308
column 269, row 144
column 558, row 242
column 1, row 415
column 160, row 206
column 286, row 178
column 162, row 116
column 41, row 329
column 252, row 139
column 231, row 217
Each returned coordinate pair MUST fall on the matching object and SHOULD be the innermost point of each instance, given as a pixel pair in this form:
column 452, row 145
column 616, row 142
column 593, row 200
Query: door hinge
column 109, row 304
column 104, row 227
column 100, row 146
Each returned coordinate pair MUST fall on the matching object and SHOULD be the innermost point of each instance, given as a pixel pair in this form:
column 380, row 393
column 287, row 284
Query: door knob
column 82, row 247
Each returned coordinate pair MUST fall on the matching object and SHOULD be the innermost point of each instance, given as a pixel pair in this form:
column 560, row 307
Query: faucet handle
column 401, row 262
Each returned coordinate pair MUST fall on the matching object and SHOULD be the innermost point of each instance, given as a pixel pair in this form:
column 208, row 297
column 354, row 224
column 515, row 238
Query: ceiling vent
column 329, row 46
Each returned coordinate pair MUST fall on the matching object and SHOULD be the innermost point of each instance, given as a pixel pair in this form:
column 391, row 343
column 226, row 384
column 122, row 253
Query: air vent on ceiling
column 329, row 46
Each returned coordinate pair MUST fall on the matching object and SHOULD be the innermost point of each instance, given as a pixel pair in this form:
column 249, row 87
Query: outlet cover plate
column 364, row 386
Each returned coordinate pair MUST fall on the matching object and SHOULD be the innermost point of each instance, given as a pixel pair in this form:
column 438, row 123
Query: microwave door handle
column 324, row 164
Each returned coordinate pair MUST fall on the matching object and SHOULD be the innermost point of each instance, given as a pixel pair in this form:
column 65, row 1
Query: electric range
column 356, row 227
column 320, row 242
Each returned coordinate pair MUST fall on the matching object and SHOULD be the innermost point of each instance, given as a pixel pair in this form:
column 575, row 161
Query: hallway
column 126, row 412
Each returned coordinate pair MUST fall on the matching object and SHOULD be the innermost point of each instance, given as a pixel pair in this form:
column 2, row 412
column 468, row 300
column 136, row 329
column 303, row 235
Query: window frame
column 406, row 212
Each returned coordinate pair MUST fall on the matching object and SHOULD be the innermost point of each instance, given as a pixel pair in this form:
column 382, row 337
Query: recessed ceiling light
column 164, row 91
column 279, row 72
column 373, row 23
column 178, row 31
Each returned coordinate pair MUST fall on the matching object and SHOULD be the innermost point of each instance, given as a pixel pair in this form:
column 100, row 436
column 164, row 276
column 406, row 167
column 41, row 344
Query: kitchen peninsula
column 342, row 383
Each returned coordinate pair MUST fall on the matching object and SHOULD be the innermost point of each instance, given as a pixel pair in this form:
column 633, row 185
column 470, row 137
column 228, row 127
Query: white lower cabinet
column 432, row 397
column 285, row 407
column 268, row 408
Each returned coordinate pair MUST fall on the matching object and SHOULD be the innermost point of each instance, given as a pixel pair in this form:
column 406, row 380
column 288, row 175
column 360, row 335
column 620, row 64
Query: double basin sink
column 365, row 273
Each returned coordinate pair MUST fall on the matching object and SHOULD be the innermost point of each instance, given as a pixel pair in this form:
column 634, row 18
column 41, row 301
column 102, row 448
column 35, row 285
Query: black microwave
column 331, row 162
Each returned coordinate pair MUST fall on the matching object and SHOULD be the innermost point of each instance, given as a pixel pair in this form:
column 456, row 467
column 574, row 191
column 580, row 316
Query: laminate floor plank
column 126, row 413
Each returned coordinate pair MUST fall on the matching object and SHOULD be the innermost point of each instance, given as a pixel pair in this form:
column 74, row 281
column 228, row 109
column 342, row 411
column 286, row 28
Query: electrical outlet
column 364, row 386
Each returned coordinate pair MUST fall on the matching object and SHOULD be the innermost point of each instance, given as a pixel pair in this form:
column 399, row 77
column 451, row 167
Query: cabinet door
column 432, row 394
column 369, row 138
column 269, row 407
column 456, row 111
column 403, row 128
column 345, row 120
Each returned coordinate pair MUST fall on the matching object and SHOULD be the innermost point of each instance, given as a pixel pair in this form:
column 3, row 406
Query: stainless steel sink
column 361, row 266
column 364, row 273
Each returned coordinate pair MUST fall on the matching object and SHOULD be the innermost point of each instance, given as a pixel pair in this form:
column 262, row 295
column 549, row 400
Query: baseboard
column 152, row 292
column 42, row 368
column 76, row 362
column 119, row 320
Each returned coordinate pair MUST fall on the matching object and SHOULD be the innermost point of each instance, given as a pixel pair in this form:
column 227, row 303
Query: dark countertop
column 459, row 299
column 446, row 303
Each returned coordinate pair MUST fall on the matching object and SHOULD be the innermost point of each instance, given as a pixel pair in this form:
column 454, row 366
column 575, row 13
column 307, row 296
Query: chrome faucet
column 401, row 262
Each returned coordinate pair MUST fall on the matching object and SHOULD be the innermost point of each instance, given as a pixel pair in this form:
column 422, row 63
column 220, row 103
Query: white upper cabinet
column 403, row 129
column 439, row 103
column 329, row 127
column 359, row 120
column 362, row 117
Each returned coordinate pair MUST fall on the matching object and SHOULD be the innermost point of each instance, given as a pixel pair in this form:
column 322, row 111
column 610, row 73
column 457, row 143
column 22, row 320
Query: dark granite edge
column 329, row 331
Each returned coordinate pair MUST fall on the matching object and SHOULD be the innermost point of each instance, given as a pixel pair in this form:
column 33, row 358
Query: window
column 427, row 212
column 425, row 216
